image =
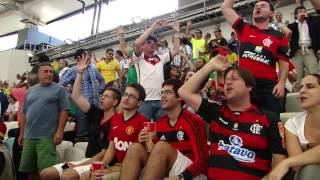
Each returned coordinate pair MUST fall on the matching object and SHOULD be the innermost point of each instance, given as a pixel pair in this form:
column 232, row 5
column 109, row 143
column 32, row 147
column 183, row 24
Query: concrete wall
column 13, row 62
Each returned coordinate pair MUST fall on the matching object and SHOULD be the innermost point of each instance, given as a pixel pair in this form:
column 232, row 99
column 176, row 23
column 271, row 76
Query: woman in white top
column 303, row 134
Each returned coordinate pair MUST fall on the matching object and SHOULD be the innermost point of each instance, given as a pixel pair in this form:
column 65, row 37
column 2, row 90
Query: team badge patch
column 129, row 130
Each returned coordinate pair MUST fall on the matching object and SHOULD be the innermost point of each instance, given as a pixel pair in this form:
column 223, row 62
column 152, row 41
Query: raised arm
column 228, row 12
column 189, row 92
column 142, row 38
column 176, row 38
column 188, row 33
column 123, row 43
column 316, row 5
column 77, row 96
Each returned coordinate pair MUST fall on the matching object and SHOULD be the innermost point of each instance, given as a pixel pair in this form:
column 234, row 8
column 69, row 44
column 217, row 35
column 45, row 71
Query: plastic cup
column 151, row 128
column 96, row 165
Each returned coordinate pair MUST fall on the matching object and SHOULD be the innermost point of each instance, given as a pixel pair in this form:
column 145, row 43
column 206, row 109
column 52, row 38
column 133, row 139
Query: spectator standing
column 63, row 66
column 42, row 123
column 90, row 89
column 150, row 67
column 7, row 170
column 304, row 43
column 198, row 43
column 109, row 68
column 260, row 48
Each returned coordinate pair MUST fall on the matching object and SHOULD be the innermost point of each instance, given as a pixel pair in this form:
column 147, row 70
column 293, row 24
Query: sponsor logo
column 223, row 121
column 256, row 128
column 252, row 36
column 121, row 145
column 267, row 42
column 129, row 130
column 180, row 135
column 256, row 57
column 236, row 151
column 258, row 49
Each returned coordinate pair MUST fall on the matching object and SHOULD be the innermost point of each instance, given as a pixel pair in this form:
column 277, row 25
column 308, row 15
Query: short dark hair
column 176, row 83
column 198, row 30
column 120, row 53
column 116, row 93
column 269, row 2
column 316, row 76
column 45, row 64
column 152, row 38
column 247, row 77
column 43, row 58
column 109, row 49
column 297, row 9
column 79, row 53
column 140, row 90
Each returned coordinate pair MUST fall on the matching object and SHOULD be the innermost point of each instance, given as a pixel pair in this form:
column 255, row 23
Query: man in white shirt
column 304, row 43
column 149, row 67
column 63, row 65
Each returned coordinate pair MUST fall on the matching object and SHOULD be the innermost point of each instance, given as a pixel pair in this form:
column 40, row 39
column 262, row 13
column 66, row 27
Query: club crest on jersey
column 180, row 135
column 129, row 130
column 267, row 42
column 163, row 138
column 236, row 151
column 256, row 128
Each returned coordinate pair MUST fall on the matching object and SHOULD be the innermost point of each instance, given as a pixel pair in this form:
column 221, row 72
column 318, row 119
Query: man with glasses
column 42, row 122
column 109, row 67
column 90, row 89
column 150, row 67
column 111, row 131
column 244, row 139
column 181, row 152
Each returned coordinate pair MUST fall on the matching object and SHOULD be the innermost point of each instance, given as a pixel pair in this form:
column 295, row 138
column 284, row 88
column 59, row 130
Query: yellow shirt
column 198, row 45
column 232, row 58
column 7, row 91
column 108, row 70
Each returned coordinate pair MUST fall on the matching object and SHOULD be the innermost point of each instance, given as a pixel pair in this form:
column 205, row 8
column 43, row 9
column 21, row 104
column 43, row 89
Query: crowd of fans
column 236, row 88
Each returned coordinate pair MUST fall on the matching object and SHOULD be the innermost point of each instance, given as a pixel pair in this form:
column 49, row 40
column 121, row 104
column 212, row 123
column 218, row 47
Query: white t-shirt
column 13, row 107
column 296, row 126
column 151, row 76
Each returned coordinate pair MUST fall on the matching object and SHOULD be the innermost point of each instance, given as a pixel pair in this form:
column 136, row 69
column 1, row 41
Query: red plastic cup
column 151, row 128
column 96, row 165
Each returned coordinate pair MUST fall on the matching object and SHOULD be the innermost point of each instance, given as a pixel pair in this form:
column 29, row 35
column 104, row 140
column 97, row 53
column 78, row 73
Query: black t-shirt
column 99, row 133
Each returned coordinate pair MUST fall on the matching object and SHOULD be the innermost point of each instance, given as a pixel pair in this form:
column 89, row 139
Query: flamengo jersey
column 242, row 143
column 188, row 136
column 124, row 133
column 260, row 49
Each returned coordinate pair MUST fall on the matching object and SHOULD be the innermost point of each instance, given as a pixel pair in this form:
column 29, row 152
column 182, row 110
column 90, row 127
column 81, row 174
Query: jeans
column 152, row 110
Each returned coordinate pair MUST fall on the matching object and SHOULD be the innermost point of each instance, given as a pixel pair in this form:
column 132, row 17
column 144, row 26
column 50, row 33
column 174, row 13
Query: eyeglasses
column 111, row 54
column 130, row 96
column 47, row 71
column 166, row 92
column 105, row 96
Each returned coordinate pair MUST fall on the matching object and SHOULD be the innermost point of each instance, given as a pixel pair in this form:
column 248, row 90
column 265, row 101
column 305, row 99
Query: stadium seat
column 63, row 146
column 292, row 103
column 285, row 116
column 59, row 156
column 81, row 145
column 73, row 154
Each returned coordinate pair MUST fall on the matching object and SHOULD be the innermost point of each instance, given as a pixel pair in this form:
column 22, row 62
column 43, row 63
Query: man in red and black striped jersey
column 261, row 47
column 244, row 139
column 182, row 150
